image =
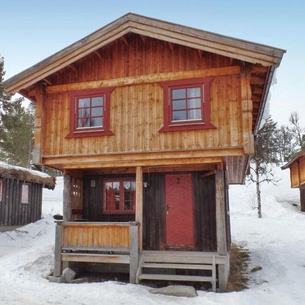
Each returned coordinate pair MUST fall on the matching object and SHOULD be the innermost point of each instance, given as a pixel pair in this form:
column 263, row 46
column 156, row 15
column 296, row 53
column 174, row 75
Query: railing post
column 134, row 251
column 57, row 252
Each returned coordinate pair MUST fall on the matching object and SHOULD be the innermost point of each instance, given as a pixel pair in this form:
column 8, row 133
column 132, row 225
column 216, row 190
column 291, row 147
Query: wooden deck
column 112, row 243
column 118, row 243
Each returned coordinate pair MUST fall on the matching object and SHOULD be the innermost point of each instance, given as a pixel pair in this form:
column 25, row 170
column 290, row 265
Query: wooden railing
column 97, row 242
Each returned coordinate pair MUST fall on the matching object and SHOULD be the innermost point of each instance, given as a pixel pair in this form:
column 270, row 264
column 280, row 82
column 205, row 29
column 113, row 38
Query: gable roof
column 294, row 160
column 162, row 30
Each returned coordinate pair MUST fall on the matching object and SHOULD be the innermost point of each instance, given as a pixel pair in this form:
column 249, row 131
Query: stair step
column 173, row 277
column 177, row 266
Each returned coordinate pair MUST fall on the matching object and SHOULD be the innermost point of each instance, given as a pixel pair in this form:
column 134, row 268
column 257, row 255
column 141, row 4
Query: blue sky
column 33, row 30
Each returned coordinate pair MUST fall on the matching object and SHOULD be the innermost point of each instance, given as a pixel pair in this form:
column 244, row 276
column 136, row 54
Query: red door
column 179, row 210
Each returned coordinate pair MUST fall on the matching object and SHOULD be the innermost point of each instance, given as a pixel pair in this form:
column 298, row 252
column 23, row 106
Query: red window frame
column 203, row 84
column 90, row 131
column 119, row 199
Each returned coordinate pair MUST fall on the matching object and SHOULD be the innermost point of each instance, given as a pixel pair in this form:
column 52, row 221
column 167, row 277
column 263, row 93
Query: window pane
column 194, row 114
column 193, row 92
column 25, row 193
column 178, row 93
column 194, row 103
column 84, row 103
column 98, row 111
column 96, row 122
column 129, row 195
column 112, row 196
column 180, row 104
column 84, row 122
column 97, row 101
column 179, row 115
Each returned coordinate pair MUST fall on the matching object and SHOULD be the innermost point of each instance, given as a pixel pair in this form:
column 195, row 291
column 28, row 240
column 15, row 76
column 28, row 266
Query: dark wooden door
column 179, row 210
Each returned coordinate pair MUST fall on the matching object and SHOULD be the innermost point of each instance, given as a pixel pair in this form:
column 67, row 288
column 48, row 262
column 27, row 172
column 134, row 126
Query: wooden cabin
column 149, row 121
column 297, row 175
column 21, row 194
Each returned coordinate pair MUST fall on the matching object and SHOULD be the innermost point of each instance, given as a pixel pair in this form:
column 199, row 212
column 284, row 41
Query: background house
column 297, row 175
column 150, row 122
column 21, row 194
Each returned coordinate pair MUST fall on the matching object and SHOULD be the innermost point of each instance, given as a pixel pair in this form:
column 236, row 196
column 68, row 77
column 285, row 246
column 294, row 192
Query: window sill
column 187, row 127
column 89, row 133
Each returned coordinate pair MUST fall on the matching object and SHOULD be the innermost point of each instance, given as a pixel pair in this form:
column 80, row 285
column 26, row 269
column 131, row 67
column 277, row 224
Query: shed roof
column 162, row 30
column 27, row 175
column 295, row 159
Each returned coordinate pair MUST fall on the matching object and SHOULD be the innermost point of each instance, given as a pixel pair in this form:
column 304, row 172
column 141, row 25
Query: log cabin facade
column 149, row 121
column 297, row 175
column 21, row 194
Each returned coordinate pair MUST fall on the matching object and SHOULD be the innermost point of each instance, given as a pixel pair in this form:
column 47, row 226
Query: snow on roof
column 28, row 175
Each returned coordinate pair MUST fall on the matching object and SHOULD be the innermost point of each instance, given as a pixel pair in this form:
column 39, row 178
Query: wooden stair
column 177, row 266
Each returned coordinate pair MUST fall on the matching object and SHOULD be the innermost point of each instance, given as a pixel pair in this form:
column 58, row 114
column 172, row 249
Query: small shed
column 21, row 194
column 297, row 175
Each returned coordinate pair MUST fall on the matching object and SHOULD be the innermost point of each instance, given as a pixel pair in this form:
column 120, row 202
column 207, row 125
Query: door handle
column 168, row 207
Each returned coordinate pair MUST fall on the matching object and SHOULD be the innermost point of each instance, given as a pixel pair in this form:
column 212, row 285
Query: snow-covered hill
column 276, row 244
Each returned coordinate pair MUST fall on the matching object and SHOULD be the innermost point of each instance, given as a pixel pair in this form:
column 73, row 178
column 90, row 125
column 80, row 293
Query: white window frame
column 25, row 188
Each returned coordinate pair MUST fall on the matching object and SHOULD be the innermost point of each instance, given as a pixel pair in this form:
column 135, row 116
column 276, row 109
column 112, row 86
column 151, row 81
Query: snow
column 276, row 243
column 23, row 169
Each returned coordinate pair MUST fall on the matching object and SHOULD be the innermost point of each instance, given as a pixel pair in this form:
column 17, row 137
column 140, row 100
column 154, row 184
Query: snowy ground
column 276, row 243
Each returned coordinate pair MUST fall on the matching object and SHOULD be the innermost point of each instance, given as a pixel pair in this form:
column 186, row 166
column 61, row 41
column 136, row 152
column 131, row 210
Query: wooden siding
column 95, row 235
column 297, row 172
column 139, row 111
column 302, row 171
column 15, row 213
column 136, row 113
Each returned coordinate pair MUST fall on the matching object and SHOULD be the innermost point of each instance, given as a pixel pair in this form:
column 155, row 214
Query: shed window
column 119, row 196
column 25, row 193
column 1, row 190
column 90, row 113
column 187, row 104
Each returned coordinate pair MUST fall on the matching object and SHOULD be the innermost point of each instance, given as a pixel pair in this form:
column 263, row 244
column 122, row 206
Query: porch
column 118, row 243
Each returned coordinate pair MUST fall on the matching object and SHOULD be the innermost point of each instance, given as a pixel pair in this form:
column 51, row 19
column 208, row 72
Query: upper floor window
column 119, row 196
column 90, row 113
column 187, row 104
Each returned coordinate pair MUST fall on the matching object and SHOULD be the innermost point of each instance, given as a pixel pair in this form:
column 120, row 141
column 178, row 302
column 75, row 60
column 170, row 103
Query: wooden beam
column 221, row 225
column 139, row 203
column 97, row 53
column 38, row 130
column 147, row 159
column 144, row 79
column 125, row 40
column 171, row 46
column 67, row 200
column 47, row 81
column 221, row 213
column 72, row 66
column 134, row 252
column 57, row 251
column 247, row 109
